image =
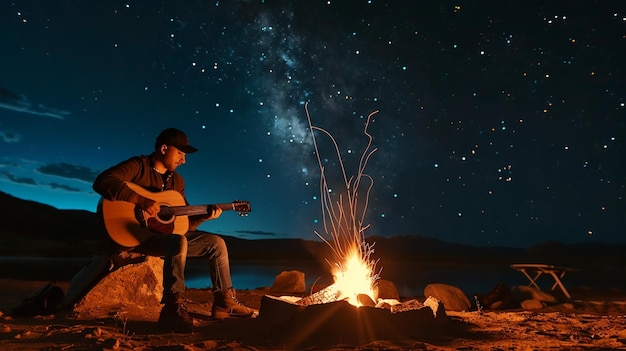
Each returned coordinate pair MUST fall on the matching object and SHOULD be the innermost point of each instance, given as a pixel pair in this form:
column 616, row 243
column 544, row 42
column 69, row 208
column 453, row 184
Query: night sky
column 499, row 123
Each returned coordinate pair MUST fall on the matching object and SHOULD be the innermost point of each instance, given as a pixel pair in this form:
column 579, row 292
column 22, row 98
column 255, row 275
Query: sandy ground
column 590, row 321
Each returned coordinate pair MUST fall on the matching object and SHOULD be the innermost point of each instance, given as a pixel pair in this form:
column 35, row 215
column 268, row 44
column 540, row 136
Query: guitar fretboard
column 198, row 209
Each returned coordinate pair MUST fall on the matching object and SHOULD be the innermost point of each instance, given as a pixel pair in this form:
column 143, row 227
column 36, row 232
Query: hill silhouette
column 35, row 229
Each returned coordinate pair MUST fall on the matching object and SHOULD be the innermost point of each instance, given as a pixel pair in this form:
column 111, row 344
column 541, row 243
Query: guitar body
column 129, row 226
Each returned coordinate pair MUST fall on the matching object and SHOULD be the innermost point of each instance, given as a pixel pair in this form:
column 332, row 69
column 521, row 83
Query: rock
column 496, row 305
column 498, row 298
column 278, row 311
column 290, row 282
column 131, row 289
column 531, row 305
column 438, row 309
column 340, row 320
column 411, row 305
column 387, row 290
column 365, row 300
column 450, row 296
column 110, row 344
column 521, row 293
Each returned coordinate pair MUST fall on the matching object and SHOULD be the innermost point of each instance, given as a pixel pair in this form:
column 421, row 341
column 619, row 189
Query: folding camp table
column 534, row 271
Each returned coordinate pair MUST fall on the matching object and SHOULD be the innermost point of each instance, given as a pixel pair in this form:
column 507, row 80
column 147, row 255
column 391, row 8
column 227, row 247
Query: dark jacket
column 139, row 170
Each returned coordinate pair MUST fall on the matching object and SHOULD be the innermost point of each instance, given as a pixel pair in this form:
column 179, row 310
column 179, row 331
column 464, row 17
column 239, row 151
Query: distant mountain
column 31, row 228
column 34, row 229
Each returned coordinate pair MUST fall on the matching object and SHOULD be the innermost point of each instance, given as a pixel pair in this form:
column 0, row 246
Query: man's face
column 173, row 158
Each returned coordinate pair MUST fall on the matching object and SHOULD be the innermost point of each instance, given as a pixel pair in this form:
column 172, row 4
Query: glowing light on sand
column 343, row 213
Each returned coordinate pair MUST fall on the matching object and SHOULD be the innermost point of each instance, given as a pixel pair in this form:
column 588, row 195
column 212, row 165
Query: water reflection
column 409, row 278
column 254, row 275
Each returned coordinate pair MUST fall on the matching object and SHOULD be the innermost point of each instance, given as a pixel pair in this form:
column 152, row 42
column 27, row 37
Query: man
column 157, row 172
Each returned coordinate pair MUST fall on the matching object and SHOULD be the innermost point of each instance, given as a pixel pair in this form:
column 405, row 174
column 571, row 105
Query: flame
column 354, row 277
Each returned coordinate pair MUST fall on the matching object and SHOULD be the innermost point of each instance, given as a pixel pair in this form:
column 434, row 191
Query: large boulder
column 531, row 305
column 521, row 293
column 387, row 290
column 132, row 291
column 498, row 298
column 532, row 299
column 289, row 282
column 453, row 298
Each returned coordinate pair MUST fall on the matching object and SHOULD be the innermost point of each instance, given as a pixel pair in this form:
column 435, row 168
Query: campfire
column 355, row 278
column 351, row 304
column 354, row 282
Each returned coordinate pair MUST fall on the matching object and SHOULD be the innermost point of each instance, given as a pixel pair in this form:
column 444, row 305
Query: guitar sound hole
column 165, row 214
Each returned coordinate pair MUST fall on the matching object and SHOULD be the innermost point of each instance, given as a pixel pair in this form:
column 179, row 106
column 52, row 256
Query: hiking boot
column 227, row 306
column 174, row 317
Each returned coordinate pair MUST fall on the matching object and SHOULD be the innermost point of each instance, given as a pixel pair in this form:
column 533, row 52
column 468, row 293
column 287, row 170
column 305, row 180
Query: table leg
column 557, row 281
column 531, row 279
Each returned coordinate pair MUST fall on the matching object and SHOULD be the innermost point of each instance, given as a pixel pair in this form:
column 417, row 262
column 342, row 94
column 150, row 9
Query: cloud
column 30, row 181
column 64, row 187
column 69, row 171
column 18, row 103
column 74, row 178
column 9, row 136
column 19, row 180
column 256, row 233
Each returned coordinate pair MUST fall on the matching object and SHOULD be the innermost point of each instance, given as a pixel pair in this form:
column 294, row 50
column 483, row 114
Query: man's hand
column 213, row 213
column 151, row 207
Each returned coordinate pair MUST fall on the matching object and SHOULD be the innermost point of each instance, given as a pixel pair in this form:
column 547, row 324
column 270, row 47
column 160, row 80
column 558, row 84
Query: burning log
column 329, row 294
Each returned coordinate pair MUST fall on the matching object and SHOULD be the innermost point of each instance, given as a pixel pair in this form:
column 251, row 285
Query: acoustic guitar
column 128, row 225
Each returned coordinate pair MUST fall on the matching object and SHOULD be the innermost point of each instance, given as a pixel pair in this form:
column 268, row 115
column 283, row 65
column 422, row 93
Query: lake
column 409, row 278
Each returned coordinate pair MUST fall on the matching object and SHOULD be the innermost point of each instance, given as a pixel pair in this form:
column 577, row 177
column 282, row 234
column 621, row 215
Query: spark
column 354, row 269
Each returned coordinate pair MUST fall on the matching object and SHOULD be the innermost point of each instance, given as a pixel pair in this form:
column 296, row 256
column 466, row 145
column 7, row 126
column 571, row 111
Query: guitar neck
column 199, row 209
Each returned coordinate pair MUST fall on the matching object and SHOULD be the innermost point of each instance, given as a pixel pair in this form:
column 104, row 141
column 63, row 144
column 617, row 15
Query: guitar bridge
column 140, row 217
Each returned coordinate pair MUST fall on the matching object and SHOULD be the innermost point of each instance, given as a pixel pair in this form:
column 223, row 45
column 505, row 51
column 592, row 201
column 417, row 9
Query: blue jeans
column 176, row 248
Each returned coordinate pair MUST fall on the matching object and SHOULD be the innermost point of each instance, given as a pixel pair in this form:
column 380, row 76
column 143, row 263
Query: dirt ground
column 589, row 321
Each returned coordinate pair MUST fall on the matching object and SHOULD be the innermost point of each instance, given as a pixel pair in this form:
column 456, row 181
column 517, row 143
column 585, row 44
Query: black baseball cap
column 175, row 138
